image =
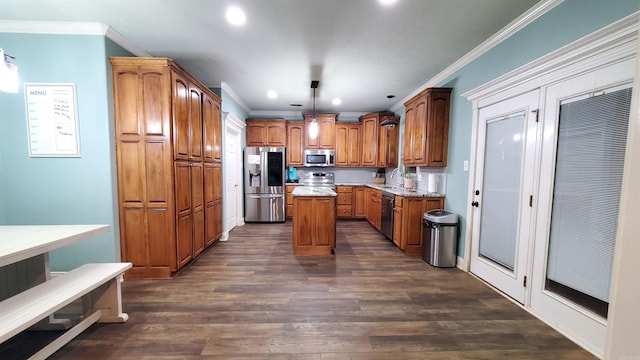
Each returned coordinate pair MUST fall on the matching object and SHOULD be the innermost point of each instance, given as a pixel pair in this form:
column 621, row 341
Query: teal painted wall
column 83, row 190
column 566, row 23
column 62, row 190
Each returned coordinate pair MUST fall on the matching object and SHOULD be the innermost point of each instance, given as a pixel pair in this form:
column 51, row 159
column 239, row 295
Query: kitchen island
column 314, row 220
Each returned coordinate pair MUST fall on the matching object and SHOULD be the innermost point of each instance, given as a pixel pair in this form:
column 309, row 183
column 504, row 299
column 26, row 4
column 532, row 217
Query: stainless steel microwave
column 319, row 158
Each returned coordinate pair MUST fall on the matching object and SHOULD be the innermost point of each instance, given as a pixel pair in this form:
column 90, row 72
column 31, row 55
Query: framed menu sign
column 52, row 121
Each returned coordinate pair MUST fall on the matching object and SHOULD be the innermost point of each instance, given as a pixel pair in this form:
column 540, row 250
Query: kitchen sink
column 393, row 187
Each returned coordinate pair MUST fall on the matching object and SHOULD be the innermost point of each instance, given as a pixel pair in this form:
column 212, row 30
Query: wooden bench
column 23, row 310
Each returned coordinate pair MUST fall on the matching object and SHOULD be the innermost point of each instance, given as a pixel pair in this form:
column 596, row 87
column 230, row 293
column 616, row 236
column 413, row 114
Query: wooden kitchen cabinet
column 379, row 142
column 314, row 225
column 369, row 139
column 348, row 143
column 359, row 208
column 344, row 201
column 295, row 143
column 212, row 129
column 388, row 137
column 266, row 132
column 407, row 223
column 426, row 131
column 288, row 209
column 213, row 202
column 326, row 138
column 167, row 133
column 374, row 208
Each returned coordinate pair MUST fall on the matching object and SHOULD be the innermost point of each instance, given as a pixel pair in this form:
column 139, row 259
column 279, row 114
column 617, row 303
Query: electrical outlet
column 373, row 174
column 419, row 177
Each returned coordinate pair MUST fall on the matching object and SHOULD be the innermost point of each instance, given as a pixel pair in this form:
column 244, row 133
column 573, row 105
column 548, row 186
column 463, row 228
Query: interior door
column 233, row 157
column 506, row 142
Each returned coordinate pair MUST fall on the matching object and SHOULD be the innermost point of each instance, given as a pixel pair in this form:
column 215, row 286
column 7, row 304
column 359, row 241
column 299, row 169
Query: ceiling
column 360, row 50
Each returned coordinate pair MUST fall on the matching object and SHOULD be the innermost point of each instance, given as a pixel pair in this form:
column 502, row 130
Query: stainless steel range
column 319, row 179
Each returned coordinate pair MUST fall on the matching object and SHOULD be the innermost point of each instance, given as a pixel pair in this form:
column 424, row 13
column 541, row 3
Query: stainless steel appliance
column 264, row 191
column 320, row 158
column 386, row 225
column 319, row 179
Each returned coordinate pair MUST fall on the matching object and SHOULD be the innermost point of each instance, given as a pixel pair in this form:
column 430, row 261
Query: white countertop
column 312, row 191
column 400, row 191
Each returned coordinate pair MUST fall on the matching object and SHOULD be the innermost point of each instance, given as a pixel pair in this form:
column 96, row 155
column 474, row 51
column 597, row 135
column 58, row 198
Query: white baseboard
column 461, row 264
column 225, row 236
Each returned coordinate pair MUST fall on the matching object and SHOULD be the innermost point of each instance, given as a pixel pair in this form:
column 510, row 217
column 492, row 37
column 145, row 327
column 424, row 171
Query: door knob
column 475, row 203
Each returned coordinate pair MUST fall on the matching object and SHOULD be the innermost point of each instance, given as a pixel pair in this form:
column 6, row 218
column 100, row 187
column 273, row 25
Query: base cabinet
column 359, row 208
column 374, row 208
column 314, row 225
column 407, row 223
column 345, row 201
column 288, row 209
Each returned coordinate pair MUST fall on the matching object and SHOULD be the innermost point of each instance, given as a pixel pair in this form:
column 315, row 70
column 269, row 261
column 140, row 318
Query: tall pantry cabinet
column 168, row 154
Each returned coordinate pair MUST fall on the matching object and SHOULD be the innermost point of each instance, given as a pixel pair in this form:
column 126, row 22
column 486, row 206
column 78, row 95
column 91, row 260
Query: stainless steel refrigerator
column 264, row 191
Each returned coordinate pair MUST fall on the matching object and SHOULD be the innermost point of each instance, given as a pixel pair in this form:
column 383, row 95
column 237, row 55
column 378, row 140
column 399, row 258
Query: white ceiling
column 359, row 50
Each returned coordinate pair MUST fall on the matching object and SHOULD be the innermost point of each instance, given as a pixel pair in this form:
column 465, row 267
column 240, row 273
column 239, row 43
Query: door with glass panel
column 503, row 184
column 581, row 168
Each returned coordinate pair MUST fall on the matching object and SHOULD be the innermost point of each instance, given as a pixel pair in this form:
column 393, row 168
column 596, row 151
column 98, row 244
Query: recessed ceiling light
column 235, row 16
column 336, row 101
column 387, row 2
column 272, row 94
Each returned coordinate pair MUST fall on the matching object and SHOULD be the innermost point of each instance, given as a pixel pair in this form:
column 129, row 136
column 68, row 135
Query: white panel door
column 571, row 226
column 501, row 222
column 233, row 166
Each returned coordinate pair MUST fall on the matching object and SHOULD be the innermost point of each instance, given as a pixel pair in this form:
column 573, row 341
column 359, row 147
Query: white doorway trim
column 610, row 46
column 234, row 125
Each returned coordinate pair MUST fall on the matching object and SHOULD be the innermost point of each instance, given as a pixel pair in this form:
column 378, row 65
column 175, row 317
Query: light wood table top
column 19, row 242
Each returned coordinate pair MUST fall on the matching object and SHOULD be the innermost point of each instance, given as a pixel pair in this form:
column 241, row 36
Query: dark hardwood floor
column 250, row 298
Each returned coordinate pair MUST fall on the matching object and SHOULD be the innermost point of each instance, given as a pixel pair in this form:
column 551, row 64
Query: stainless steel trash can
column 440, row 238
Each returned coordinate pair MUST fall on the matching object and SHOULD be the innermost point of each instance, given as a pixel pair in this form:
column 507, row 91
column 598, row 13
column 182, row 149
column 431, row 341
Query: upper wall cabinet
column 326, row 138
column 388, row 136
column 267, row 132
column 295, row 143
column 426, row 131
column 369, row 139
column 379, row 142
column 212, row 129
column 348, row 143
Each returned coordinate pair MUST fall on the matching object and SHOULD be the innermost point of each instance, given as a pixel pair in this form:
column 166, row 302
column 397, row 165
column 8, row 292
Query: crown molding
column 613, row 43
column 70, row 28
column 52, row 27
column 117, row 38
column 224, row 86
column 298, row 114
column 513, row 27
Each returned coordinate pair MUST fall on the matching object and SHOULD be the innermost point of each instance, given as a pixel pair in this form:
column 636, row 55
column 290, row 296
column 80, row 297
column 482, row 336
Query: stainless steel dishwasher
column 386, row 224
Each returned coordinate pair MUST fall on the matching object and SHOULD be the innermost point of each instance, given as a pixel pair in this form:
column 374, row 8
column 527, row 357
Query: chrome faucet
column 400, row 183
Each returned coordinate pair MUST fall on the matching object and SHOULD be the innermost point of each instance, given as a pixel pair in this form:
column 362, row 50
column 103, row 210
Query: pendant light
column 390, row 120
column 313, row 127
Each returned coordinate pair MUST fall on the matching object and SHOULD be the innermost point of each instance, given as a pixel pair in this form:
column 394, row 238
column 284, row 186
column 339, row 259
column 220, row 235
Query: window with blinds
column 592, row 134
